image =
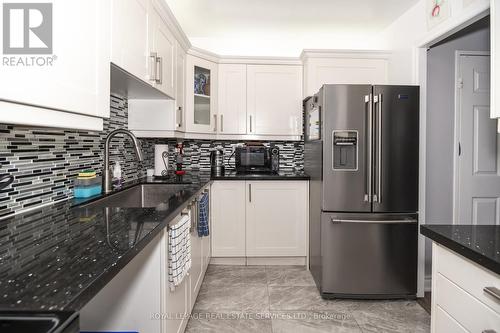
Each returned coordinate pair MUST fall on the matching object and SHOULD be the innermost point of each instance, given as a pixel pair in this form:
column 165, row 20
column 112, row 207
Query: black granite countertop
column 60, row 256
column 479, row 243
column 281, row 175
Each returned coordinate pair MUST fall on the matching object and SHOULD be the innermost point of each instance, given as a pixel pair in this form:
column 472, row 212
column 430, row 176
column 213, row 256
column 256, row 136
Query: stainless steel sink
column 140, row 196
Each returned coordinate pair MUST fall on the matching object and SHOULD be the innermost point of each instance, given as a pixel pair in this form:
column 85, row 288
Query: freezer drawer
column 369, row 256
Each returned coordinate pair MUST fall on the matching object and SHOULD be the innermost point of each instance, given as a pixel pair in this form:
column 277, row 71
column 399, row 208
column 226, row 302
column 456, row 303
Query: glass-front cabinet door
column 201, row 82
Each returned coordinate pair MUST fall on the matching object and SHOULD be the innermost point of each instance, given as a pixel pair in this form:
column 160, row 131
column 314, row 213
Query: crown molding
column 342, row 53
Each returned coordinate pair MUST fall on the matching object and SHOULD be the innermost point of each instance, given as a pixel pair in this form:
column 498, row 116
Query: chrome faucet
column 106, row 171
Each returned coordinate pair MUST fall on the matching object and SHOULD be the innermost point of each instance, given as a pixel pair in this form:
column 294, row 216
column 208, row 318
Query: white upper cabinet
column 162, row 52
column 341, row 67
column 130, row 32
column 180, row 88
column 232, row 103
column 274, row 99
column 73, row 77
column 201, row 84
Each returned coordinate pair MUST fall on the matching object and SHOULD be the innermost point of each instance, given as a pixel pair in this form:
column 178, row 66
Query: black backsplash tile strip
column 45, row 161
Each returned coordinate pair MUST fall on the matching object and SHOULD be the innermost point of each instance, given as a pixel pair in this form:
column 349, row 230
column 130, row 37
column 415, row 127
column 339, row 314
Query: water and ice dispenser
column 345, row 150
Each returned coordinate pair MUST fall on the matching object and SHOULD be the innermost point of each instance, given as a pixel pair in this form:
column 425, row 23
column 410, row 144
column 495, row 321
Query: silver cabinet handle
column 251, row 124
column 159, row 69
column 377, row 197
column 179, row 111
column 222, row 123
column 215, row 123
column 153, row 64
column 368, row 194
column 489, row 331
column 492, row 291
column 249, row 192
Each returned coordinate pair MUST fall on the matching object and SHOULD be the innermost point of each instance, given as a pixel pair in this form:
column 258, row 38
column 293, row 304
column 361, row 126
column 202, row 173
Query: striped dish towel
column 203, row 213
column 179, row 251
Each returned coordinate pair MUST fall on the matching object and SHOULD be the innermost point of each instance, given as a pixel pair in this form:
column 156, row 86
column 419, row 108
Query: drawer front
column 444, row 323
column 468, row 275
column 469, row 312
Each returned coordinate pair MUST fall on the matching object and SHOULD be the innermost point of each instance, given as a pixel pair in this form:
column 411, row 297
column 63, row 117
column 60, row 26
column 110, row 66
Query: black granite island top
column 60, row 256
column 479, row 243
column 281, row 175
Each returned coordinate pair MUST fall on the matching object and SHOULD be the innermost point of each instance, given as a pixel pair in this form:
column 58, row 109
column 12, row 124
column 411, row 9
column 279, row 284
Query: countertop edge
column 464, row 251
column 103, row 279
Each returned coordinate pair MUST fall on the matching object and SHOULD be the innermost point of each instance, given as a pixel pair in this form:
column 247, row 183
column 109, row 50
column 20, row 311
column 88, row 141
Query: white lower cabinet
column 259, row 218
column 139, row 298
column 459, row 302
column 228, row 219
column 276, row 216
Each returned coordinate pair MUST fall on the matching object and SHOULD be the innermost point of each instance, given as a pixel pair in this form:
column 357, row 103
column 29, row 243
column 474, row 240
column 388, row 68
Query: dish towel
column 179, row 251
column 203, row 214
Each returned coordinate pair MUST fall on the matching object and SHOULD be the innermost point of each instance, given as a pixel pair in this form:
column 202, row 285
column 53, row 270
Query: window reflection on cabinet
column 200, row 108
column 201, row 96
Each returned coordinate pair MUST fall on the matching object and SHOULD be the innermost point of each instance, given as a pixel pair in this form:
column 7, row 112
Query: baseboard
column 259, row 261
column 242, row 261
column 428, row 283
column 276, row 261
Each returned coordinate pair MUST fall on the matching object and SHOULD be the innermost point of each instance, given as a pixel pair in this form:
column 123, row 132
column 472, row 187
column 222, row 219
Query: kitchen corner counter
column 479, row 243
column 59, row 257
column 282, row 175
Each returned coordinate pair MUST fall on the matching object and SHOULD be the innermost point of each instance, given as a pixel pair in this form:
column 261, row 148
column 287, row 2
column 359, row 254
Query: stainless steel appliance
column 257, row 158
column 361, row 152
column 217, row 162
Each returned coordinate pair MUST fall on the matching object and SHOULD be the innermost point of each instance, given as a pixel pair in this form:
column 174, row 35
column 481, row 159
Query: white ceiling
column 277, row 27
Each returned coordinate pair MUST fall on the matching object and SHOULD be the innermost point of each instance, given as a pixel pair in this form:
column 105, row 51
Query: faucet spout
column 106, row 172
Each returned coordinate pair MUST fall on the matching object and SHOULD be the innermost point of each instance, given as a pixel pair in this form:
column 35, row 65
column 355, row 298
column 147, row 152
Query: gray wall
column 440, row 121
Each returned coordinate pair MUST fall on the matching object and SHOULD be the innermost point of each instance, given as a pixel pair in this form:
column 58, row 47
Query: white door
column 130, row 44
column 228, row 219
column 276, row 223
column 164, row 47
column 75, row 76
column 274, row 99
column 232, row 92
column 478, row 192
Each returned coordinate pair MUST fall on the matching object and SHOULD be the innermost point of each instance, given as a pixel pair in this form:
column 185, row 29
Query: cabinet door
column 164, row 46
column 130, row 43
column 74, row 77
column 495, row 59
column 274, row 99
column 276, row 218
column 232, row 110
column 180, row 87
column 228, row 219
column 195, row 273
column 201, row 83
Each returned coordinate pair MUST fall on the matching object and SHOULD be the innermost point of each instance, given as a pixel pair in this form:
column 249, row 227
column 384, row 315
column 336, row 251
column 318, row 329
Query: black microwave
column 250, row 159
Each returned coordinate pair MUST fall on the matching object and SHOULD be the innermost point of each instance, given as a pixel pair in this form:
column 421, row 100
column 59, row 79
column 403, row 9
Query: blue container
column 87, row 191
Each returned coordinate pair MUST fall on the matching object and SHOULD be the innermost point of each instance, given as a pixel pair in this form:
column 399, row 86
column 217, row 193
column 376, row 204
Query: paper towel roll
column 161, row 160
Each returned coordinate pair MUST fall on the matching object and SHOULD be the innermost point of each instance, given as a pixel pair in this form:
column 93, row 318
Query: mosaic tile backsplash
column 45, row 162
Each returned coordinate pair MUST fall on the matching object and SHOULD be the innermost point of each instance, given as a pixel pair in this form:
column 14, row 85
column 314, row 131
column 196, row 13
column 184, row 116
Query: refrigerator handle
column 377, row 196
column 368, row 192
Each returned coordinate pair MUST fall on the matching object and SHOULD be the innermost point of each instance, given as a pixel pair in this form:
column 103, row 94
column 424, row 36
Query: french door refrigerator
column 361, row 152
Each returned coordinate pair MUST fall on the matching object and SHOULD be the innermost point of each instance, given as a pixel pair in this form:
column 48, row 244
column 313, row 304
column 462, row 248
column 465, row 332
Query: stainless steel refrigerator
column 361, row 151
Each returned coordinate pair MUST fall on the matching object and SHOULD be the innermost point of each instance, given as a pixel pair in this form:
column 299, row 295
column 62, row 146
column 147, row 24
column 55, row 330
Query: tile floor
column 279, row 299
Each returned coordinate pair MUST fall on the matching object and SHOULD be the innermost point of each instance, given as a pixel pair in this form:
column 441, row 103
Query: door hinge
column 460, row 83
